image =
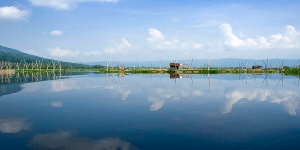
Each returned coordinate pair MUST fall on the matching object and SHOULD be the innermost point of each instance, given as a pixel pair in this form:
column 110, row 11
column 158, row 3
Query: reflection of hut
column 256, row 67
column 174, row 65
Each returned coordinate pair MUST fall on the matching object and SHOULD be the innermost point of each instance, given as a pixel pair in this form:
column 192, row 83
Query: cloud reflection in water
column 119, row 90
column 67, row 140
column 285, row 97
column 14, row 125
column 58, row 86
column 57, row 104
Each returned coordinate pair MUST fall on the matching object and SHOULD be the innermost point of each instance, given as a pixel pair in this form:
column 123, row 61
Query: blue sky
column 92, row 30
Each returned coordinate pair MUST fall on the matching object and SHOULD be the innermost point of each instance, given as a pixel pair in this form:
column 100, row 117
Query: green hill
column 15, row 56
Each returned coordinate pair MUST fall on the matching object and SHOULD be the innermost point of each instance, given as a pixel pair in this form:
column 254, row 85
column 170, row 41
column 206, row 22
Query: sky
column 151, row 30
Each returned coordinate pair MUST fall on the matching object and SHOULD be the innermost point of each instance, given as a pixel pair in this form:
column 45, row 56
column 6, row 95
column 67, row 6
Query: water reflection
column 9, row 89
column 12, row 83
column 26, row 77
column 57, row 104
column 111, row 111
column 288, row 98
column 231, row 90
column 58, row 85
column 69, row 140
column 14, row 125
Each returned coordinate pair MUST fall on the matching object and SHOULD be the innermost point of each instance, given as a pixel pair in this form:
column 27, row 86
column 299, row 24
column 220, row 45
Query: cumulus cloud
column 67, row 140
column 13, row 13
column 287, row 40
column 64, row 4
column 124, row 43
column 120, row 48
column 155, row 35
column 60, row 52
column 157, row 38
column 14, row 125
column 232, row 40
column 56, row 32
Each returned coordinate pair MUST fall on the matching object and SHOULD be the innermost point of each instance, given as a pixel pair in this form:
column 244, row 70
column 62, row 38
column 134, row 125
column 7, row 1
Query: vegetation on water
column 287, row 71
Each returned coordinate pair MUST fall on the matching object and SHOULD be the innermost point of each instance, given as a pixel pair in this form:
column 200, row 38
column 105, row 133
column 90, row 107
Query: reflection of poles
column 160, row 76
column 18, row 78
column 298, row 80
column 247, row 77
column 54, row 76
column 208, row 75
column 281, row 79
column 266, row 79
column 48, row 77
column 139, row 79
column 32, row 76
column 112, row 77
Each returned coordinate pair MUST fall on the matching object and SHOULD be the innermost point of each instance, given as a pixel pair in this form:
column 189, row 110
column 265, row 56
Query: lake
column 149, row 111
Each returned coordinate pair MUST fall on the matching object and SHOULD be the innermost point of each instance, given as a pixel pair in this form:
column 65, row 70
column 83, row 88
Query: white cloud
column 158, row 40
column 168, row 44
column 155, row 35
column 232, row 40
column 64, row 4
column 60, row 52
column 284, row 41
column 197, row 46
column 14, row 125
column 13, row 13
column 57, row 104
column 124, row 43
column 56, row 32
column 120, row 48
column 110, row 50
column 92, row 53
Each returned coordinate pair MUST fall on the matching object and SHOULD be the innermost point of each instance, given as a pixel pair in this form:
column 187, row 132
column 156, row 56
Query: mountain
column 12, row 55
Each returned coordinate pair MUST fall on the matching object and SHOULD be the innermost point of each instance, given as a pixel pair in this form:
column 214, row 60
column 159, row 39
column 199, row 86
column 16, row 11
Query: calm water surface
column 147, row 112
